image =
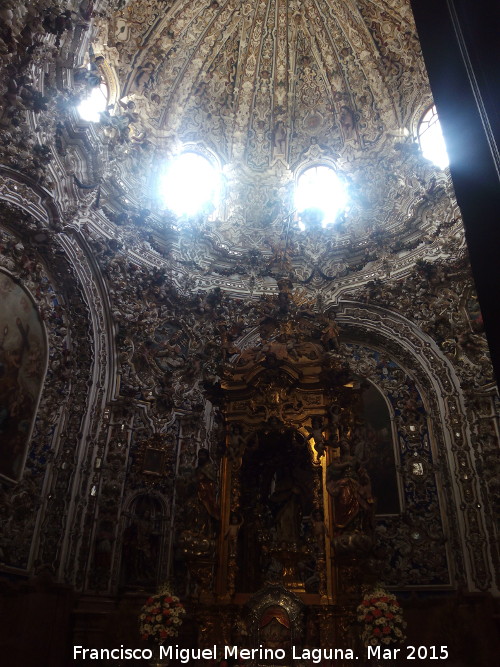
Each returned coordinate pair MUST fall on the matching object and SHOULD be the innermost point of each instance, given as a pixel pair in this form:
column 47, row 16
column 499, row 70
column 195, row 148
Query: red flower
column 389, row 615
column 166, row 612
column 377, row 613
column 377, row 631
column 366, row 603
column 149, row 601
column 386, row 630
column 368, row 617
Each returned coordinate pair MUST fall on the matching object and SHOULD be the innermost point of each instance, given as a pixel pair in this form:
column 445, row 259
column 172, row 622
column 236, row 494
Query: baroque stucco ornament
column 144, row 312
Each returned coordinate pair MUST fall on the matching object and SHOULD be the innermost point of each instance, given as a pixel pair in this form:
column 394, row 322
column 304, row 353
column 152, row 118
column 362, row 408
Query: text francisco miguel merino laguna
column 185, row 655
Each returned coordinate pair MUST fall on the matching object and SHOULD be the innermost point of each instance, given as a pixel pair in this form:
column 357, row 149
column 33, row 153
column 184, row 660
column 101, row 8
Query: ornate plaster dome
column 261, row 81
column 153, row 359
column 267, row 89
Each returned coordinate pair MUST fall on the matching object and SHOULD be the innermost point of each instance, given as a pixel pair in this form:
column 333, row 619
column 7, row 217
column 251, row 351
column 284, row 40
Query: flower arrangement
column 382, row 618
column 161, row 617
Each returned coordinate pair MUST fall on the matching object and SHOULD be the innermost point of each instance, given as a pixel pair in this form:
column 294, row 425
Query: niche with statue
column 277, row 482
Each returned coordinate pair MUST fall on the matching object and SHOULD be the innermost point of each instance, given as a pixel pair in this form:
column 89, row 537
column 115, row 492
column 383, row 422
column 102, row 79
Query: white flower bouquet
column 161, row 617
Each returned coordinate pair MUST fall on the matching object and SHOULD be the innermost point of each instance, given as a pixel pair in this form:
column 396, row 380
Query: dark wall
column 461, row 48
column 35, row 625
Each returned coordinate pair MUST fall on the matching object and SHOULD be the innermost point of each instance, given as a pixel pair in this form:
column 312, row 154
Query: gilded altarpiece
column 288, row 516
column 274, row 519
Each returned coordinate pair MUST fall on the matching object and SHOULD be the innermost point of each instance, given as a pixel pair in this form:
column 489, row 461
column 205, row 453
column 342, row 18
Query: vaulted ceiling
column 144, row 310
column 264, row 80
column 267, row 88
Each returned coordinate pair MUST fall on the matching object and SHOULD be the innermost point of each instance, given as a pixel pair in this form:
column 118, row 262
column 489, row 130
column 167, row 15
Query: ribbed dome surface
column 260, row 81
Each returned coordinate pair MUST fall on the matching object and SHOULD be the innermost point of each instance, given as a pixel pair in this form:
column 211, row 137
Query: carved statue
column 197, row 539
column 330, row 334
column 141, row 550
column 349, row 485
column 317, row 434
column 347, row 121
column 279, row 142
column 286, row 497
column 336, row 423
column 202, row 507
column 237, row 444
column 235, row 524
column 319, row 530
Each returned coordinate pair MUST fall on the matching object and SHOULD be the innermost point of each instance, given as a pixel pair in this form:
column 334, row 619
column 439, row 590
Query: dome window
column 431, row 139
column 96, row 102
column 190, row 184
column 320, row 196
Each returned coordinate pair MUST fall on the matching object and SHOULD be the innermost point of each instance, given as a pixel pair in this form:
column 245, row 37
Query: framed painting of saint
column 23, row 360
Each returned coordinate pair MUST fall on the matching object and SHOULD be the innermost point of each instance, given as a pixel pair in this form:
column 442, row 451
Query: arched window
column 320, row 196
column 431, row 139
column 190, row 184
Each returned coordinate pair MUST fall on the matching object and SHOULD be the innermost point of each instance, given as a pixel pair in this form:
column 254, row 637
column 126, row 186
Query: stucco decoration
column 413, row 540
column 145, row 310
column 268, row 88
column 327, row 71
column 44, row 494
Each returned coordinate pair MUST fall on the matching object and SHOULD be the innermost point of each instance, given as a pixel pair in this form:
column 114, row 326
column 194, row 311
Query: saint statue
column 349, row 485
column 206, row 477
column 286, row 498
column 141, row 547
column 202, row 507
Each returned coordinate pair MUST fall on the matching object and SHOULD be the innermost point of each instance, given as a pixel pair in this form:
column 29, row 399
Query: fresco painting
column 23, row 353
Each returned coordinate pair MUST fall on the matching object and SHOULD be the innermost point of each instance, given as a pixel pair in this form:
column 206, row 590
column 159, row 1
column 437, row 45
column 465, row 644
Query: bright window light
column 431, row 139
column 319, row 189
column 189, row 184
column 92, row 105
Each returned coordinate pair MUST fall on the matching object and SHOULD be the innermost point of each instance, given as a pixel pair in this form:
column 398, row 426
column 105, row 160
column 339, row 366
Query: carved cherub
column 317, row 434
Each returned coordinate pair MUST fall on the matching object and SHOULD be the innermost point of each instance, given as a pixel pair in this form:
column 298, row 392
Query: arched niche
column 415, row 539
column 277, row 482
column 373, row 444
column 440, row 547
column 55, row 270
column 142, row 543
column 23, row 361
